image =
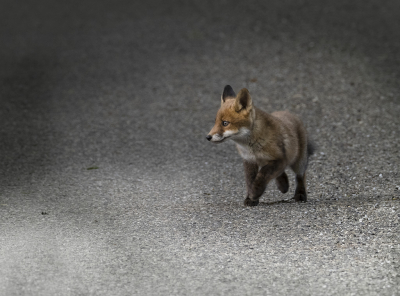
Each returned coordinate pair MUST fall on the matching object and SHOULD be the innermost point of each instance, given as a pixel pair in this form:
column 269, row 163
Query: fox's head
column 234, row 118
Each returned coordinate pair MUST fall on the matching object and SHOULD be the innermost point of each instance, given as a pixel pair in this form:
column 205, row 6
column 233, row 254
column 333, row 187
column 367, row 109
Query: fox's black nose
column 209, row 137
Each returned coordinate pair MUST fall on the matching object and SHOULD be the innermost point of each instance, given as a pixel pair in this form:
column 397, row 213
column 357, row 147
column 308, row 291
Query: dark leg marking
column 282, row 182
column 300, row 193
column 250, row 170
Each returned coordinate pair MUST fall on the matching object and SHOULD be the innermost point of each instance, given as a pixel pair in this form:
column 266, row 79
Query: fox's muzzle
column 209, row 137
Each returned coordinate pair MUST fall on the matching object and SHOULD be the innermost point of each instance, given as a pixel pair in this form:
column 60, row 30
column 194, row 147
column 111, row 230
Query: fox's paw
column 250, row 203
column 300, row 197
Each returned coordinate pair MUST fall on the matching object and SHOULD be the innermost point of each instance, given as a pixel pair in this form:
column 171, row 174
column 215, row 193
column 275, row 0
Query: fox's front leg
column 250, row 171
column 268, row 172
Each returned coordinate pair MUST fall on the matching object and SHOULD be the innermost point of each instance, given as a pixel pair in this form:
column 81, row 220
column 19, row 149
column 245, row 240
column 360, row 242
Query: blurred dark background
column 86, row 82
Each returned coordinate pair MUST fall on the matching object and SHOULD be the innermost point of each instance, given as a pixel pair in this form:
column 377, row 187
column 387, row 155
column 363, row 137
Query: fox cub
column 268, row 144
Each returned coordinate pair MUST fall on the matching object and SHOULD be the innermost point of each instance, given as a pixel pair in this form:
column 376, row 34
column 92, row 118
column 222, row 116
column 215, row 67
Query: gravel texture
column 109, row 187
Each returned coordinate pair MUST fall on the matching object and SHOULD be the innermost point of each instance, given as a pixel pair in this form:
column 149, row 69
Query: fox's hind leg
column 282, row 182
column 299, row 168
column 300, row 193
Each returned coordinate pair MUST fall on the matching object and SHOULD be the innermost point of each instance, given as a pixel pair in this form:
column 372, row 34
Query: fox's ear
column 228, row 92
column 243, row 100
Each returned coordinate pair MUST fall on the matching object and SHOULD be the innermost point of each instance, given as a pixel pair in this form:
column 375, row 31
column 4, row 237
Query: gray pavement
column 109, row 187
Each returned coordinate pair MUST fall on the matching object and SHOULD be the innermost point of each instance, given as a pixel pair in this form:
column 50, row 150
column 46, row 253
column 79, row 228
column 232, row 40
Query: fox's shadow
column 270, row 203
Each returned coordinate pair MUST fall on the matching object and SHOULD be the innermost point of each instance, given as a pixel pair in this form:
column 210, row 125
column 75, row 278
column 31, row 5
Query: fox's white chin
column 226, row 135
column 217, row 139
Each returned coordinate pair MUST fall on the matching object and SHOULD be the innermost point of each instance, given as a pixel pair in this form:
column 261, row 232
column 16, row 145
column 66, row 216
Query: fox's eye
column 225, row 123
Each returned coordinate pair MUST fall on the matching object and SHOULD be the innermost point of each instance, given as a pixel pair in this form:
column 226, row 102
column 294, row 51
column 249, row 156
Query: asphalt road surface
column 109, row 187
